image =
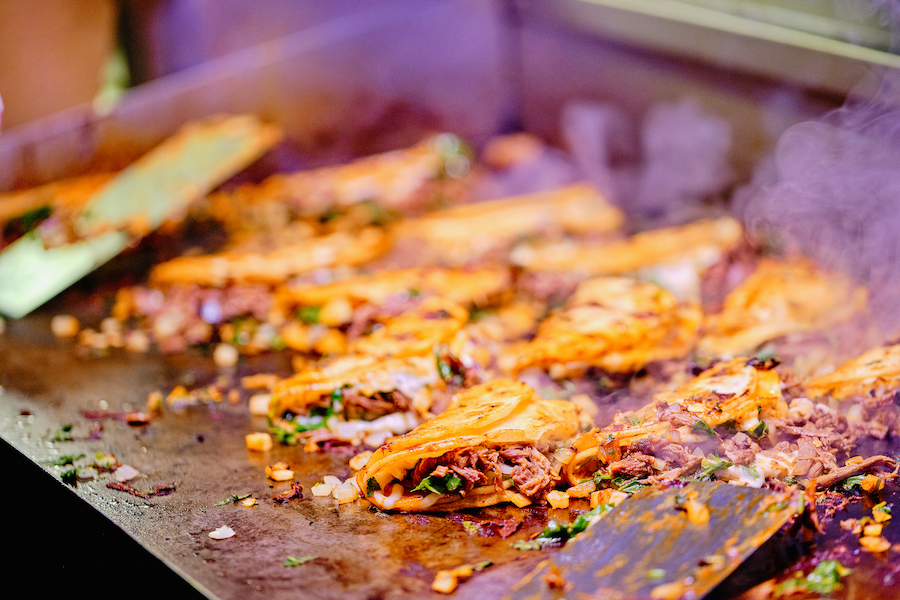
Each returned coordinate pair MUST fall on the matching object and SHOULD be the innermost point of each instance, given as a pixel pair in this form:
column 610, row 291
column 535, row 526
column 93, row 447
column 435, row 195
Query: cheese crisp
column 490, row 447
column 469, row 232
column 355, row 399
column 871, row 374
column 737, row 393
column 614, row 323
column 777, row 299
column 702, row 244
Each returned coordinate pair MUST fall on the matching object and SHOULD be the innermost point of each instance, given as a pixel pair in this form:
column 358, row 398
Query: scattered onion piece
column 874, row 544
column 280, row 471
column 345, row 493
column 259, row 404
column 360, row 460
column 258, row 442
column 126, row 473
column 222, row 533
column 320, row 490
column 558, row 499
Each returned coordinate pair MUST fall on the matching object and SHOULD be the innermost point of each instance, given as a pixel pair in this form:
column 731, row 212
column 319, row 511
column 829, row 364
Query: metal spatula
column 156, row 187
column 647, row 547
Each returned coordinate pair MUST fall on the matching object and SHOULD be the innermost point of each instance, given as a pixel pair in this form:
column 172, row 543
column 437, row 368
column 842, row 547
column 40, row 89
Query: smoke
column 832, row 191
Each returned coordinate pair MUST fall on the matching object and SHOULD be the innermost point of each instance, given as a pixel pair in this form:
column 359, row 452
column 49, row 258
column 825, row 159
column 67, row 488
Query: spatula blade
column 158, row 186
column 647, row 548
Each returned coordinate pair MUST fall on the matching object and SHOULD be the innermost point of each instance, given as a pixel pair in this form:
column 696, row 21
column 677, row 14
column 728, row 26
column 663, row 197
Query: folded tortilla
column 355, row 399
column 470, row 287
column 779, row 298
column 873, row 373
column 398, row 179
column 464, row 233
column 501, row 416
column 416, row 332
column 276, row 265
column 615, row 323
column 702, row 243
column 739, row 392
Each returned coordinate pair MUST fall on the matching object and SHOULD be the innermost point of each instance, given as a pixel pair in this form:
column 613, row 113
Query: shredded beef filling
column 359, row 406
column 532, row 472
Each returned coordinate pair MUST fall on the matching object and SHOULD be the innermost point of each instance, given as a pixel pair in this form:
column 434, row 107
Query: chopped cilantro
column 235, row 498
column 751, row 471
column 30, row 219
column 377, row 213
column 372, row 486
column 69, row 475
column 309, row 314
column 557, row 533
column 294, row 561
column 63, row 434
column 482, row 565
column 476, row 314
column 882, row 507
column 329, row 215
column 759, row 431
column 439, row 485
column 711, row 464
column 318, row 419
column 471, row 527
column 824, row 579
column 443, row 368
column 627, row 484
column 635, row 421
column 530, row 544
column 701, row 426
column 62, row 461
column 853, row 482
column 414, row 292
column 277, row 343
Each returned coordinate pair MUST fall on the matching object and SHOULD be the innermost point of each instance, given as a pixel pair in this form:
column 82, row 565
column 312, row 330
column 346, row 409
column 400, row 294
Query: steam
column 832, row 191
column 677, row 158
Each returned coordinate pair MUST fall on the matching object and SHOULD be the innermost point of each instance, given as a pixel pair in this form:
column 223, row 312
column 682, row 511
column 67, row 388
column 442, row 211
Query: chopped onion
column 222, row 533
column 126, row 473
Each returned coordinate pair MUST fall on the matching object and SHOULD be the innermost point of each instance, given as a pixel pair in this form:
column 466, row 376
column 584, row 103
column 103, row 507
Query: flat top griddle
column 360, row 553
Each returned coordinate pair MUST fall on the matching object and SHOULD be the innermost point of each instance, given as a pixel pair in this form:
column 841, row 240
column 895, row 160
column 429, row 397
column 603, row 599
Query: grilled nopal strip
column 503, row 422
column 350, row 399
column 615, row 323
column 739, row 391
